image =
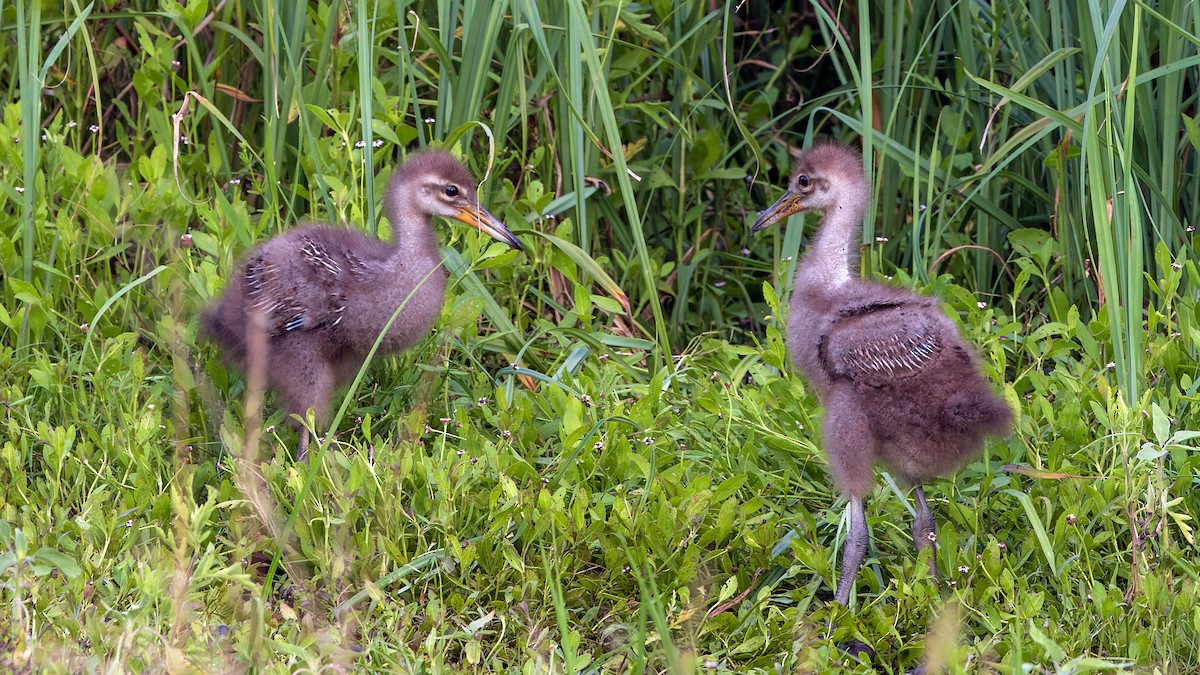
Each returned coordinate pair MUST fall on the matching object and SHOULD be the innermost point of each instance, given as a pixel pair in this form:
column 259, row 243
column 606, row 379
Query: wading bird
column 899, row 385
column 320, row 295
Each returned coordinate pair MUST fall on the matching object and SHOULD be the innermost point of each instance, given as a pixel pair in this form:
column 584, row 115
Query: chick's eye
column 802, row 181
column 451, row 190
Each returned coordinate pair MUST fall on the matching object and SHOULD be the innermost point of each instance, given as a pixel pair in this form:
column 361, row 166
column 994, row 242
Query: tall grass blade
column 365, row 44
column 29, row 41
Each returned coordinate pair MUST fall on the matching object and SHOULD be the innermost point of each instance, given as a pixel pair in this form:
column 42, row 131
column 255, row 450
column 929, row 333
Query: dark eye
column 802, row 181
column 451, row 190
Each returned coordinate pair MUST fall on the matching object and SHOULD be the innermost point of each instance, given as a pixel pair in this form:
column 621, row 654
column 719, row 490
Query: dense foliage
column 600, row 460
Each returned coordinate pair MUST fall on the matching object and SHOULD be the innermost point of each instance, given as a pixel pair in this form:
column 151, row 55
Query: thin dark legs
column 302, row 446
column 855, row 551
column 924, row 531
column 924, row 534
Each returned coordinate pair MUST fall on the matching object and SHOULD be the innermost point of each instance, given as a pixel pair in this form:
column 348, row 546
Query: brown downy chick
column 323, row 294
column 898, row 383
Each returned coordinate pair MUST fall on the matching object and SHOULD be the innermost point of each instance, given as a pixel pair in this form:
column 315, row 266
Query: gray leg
column 302, row 447
column 304, row 383
column 925, row 531
column 855, row 551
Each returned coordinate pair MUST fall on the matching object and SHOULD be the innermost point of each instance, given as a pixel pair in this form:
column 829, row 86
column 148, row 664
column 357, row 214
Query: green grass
column 601, row 460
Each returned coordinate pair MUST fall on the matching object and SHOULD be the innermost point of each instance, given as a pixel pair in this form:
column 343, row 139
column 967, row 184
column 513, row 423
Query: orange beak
column 480, row 219
column 788, row 204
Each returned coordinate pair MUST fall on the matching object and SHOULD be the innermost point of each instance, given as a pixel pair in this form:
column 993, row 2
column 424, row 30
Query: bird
column 898, row 383
column 322, row 294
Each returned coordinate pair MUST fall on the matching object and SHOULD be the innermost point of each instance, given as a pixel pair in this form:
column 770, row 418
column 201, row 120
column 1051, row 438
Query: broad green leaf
column 1160, row 424
column 589, row 265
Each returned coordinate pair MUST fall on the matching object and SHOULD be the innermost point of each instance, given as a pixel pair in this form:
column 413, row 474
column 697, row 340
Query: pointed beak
column 788, row 204
column 479, row 218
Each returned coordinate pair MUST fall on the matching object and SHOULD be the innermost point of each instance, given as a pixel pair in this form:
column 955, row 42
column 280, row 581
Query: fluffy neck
column 411, row 277
column 412, row 236
column 833, row 257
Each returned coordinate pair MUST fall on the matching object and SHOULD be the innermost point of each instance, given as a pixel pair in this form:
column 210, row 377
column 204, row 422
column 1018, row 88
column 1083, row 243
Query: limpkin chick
column 323, row 294
column 899, row 385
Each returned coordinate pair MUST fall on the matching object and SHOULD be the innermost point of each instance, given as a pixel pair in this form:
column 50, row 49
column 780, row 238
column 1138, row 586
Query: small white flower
column 881, row 240
column 429, row 120
column 378, row 143
column 94, row 128
column 982, row 305
column 72, row 124
column 360, row 144
column 235, row 181
column 20, row 189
